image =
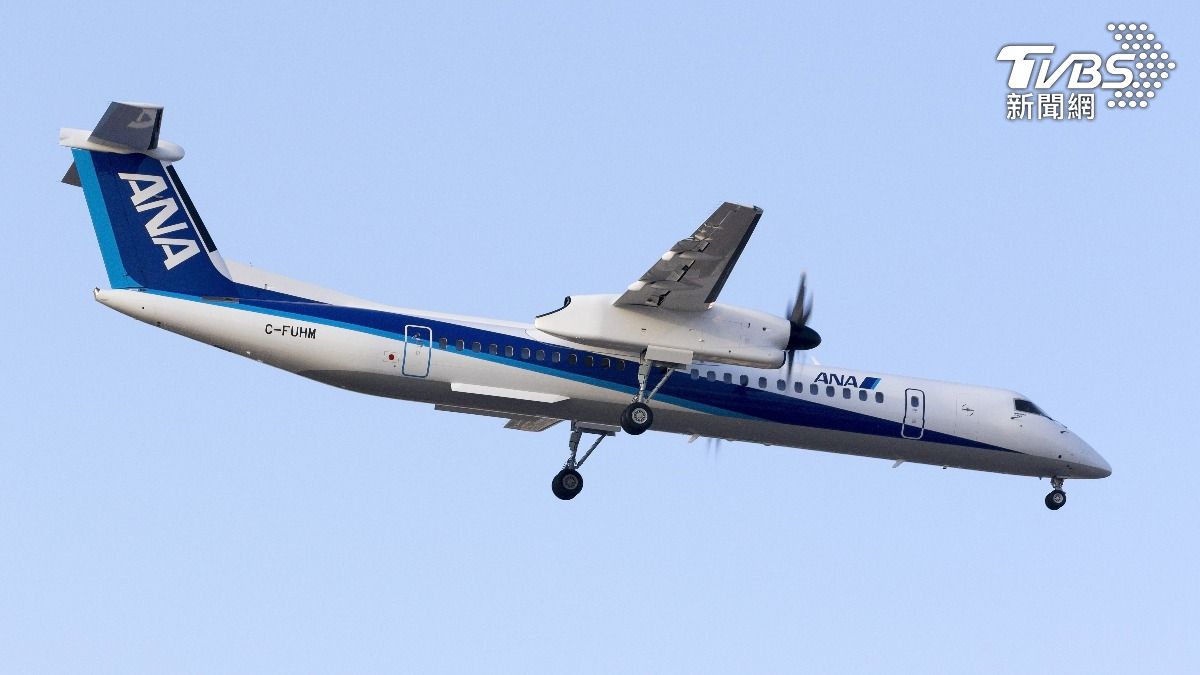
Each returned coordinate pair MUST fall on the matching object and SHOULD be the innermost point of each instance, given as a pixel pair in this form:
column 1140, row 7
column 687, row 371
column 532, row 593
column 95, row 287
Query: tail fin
column 149, row 232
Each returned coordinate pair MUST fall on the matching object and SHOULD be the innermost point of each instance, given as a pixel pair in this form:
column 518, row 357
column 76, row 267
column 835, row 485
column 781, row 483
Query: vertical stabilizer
column 149, row 232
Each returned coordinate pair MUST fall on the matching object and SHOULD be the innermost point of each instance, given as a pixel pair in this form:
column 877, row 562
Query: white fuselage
column 513, row 370
column 663, row 355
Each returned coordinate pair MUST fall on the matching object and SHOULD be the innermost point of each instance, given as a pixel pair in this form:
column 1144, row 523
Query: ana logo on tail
column 176, row 250
column 145, row 119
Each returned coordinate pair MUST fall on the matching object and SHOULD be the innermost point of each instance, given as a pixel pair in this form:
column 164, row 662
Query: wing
column 690, row 275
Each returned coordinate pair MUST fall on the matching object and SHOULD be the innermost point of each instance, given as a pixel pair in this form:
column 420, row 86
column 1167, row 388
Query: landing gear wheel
column 636, row 418
column 566, row 484
column 1056, row 499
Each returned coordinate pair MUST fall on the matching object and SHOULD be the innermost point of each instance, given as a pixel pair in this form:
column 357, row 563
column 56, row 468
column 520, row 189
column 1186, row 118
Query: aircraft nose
column 1095, row 466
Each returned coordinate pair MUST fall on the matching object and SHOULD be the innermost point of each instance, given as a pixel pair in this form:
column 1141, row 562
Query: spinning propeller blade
column 802, row 337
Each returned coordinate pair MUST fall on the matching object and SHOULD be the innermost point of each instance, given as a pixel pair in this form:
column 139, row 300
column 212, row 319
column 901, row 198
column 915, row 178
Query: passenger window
column 459, row 345
column 540, row 355
column 846, row 392
column 813, row 389
column 525, row 352
column 508, row 350
column 493, row 349
column 572, row 359
column 745, row 380
column 443, row 342
column 712, row 377
column 762, row 383
column 695, row 374
column 620, row 364
column 605, row 363
column 589, row 361
column 476, row 347
column 781, row 385
column 879, row 397
column 799, row 388
column 829, row 390
column 728, row 378
column 862, row 394
column 555, row 357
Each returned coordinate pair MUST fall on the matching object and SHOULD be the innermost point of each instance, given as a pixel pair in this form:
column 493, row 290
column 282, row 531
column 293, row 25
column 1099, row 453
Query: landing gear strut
column 1057, row 498
column 568, row 482
column 637, row 416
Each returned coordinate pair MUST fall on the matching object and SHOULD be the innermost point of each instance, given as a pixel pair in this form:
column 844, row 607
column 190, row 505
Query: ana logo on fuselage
column 847, row 380
column 175, row 249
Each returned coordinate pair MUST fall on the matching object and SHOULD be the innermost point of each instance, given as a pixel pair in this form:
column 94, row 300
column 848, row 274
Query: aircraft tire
column 637, row 418
column 567, row 484
column 1056, row 499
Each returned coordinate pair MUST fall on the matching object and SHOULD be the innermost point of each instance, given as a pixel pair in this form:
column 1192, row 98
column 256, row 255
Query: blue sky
column 167, row 507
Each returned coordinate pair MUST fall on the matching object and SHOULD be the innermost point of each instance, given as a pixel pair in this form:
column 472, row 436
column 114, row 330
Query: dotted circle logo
column 1152, row 65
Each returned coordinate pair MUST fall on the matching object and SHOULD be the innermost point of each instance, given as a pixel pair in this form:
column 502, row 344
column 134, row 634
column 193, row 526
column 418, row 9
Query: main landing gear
column 637, row 416
column 568, row 482
column 1057, row 498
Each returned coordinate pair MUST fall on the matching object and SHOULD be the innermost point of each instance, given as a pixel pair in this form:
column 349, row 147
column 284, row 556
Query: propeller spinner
column 802, row 337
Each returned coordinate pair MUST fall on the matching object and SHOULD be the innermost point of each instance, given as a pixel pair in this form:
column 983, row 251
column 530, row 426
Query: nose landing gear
column 1057, row 498
column 566, row 484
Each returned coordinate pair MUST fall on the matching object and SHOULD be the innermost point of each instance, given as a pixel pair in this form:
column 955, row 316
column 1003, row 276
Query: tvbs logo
column 175, row 249
column 1084, row 68
column 1134, row 75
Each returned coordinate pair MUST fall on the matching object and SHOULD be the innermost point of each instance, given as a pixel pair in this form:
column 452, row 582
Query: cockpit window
column 1028, row 407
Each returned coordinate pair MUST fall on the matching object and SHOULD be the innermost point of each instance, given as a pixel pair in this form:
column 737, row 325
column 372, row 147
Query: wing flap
column 518, row 422
column 531, row 423
column 502, row 392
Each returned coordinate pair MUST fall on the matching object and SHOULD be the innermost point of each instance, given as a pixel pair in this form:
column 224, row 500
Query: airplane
column 710, row 370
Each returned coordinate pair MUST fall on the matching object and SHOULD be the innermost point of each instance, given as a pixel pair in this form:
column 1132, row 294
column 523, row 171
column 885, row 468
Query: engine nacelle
column 720, row 334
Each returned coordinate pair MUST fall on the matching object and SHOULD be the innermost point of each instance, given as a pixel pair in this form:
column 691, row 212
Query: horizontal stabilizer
column 71, row 177
column 129, row 125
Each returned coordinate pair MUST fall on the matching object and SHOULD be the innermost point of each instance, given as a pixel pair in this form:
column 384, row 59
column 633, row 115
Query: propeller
column 712, row 446
column 803, row 337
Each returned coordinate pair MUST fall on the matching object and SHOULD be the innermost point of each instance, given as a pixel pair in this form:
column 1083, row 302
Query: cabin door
column 417, row 353
column 914, row 414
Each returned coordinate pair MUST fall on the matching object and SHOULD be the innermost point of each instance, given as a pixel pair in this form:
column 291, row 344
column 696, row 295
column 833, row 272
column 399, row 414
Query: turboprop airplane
column 662, row 354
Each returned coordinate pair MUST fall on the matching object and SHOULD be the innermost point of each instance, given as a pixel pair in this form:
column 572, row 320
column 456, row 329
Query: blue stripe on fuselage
column 715, row 398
